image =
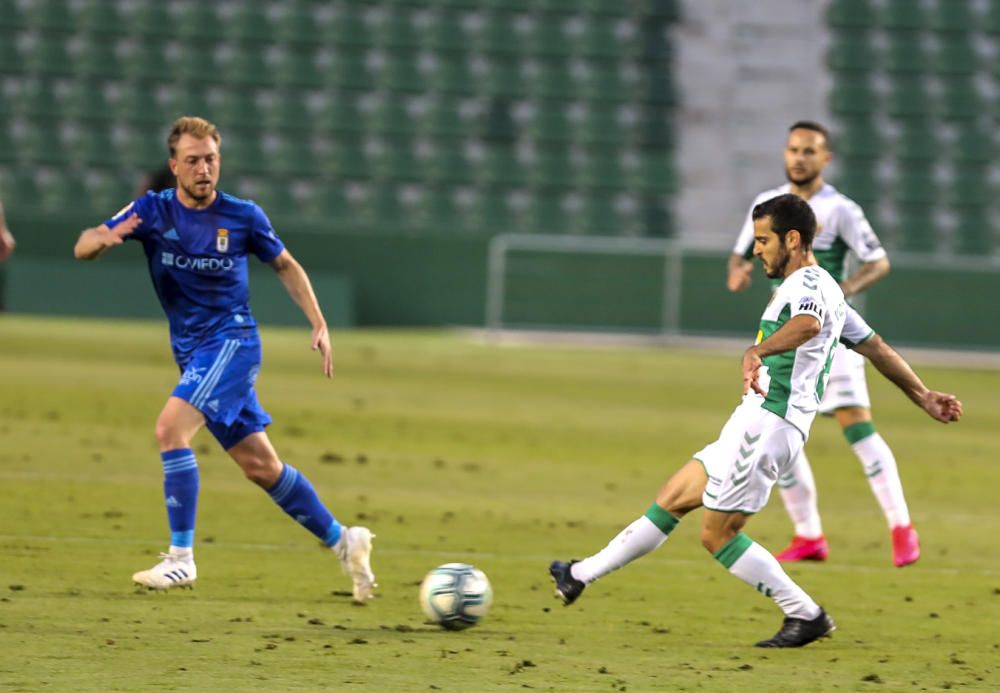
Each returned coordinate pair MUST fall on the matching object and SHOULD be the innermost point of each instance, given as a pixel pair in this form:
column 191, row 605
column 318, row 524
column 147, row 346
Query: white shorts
column 754, row 448
column 847, row 386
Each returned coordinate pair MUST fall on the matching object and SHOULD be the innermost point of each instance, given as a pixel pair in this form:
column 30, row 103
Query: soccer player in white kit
column 841, row 229
column 784, row 375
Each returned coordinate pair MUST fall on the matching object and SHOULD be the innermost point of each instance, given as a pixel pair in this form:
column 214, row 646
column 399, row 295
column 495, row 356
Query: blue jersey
column 198, row 261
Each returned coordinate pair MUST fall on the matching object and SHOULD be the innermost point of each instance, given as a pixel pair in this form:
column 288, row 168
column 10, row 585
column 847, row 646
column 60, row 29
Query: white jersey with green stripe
column 794, row 380
column 841, row 226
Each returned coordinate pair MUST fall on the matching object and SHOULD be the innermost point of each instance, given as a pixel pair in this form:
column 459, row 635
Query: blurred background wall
column 391, row 141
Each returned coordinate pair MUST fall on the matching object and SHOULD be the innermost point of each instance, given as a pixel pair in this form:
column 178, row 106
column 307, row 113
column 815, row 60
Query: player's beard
column 191, row 192
column 777, row 270
column 803, row 182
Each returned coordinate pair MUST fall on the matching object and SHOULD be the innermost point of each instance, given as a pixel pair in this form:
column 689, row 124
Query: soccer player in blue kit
column 197, row 240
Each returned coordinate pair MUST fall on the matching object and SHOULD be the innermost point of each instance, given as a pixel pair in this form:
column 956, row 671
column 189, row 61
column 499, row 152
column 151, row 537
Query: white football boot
column 172, row 571
column 354, row 549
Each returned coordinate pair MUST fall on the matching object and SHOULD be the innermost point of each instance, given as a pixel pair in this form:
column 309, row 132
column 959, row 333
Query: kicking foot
column 172, row 571
column 568, row 588
column 803, row 549
column 905, row 545
column 354, row 549
column 796, row 632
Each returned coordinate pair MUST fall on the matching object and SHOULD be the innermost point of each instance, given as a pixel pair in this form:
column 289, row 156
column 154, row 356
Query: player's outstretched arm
column 940, row 406
column 866, row 275
column 93, row 242
column 299, row 287
column 739, row 273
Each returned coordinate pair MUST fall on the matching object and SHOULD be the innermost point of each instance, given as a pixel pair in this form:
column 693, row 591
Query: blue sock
column 180, row 489
column 296, row 496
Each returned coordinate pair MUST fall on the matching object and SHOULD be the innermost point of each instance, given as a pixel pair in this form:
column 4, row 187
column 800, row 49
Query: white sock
column 883, row 476
column 636, row 540
column 759, row 569
column 185, row 553
column 798, row 491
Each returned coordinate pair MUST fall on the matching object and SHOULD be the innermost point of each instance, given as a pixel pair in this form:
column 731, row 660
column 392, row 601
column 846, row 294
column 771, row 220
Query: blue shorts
column 218, row 380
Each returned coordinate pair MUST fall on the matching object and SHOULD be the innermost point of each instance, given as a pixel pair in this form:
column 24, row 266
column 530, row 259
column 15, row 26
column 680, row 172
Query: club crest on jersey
column 222, row 240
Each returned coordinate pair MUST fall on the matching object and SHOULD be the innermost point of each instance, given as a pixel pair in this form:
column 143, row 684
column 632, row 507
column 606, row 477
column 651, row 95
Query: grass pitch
column 453, row 451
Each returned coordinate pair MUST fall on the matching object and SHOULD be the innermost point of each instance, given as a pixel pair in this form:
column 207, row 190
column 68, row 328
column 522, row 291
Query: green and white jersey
column 794, row 380
column 841, row 227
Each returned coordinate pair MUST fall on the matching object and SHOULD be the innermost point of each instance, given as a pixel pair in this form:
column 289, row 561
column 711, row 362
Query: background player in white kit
column 784, row 374
column 841, row 229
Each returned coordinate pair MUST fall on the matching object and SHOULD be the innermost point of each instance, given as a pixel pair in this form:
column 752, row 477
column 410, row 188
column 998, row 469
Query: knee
column 261, row 471
column 168, row 437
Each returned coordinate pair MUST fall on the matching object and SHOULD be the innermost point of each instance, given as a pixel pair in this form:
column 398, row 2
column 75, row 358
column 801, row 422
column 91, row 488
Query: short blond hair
column 194, row 126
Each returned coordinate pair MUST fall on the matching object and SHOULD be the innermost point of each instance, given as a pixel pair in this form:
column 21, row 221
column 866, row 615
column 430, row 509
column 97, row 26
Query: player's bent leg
column 680, row 495
column 798, row 492
column 883, row 477
column 293, row 493
column 805, row 621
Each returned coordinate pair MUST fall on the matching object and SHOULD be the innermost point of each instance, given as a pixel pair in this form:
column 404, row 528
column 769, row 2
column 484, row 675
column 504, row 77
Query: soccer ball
column 456, row 595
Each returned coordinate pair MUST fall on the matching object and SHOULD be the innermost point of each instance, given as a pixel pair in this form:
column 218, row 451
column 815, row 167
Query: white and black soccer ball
column 456, row 595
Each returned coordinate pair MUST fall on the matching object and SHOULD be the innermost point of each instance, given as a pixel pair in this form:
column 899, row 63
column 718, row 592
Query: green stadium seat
column 444, row 117
column 350, row 70
column 192, row 102
column 548, row 37
column 906, row 54
column 243, row 152
column 494, row 214
column 86, row 100
column 973, row 146
column 403, row 28
column 601, row 124
column 401, row 72
column 11, row 60
column 917, row 230
column 145, row 59
column 342, row 114
column 235, row 107
column 544, row 120
column 603, row 81
column 295, row 67
column 990, row 22
column 548, row 213
column 600, row 216
column 98, row 59
column 346, row 159
column 331, row 204
column 908, row 98
column 971, row 188
column 441, row 212
column 951, row 16
column 504, row 78
column 502, row 33
column 49, row 56
column 553, row 168
column 91, row 145
column 851, row 14
column 294, row 156
column 605, row 169
column 917, row 143
column 852, row 95
column 956, row 56
column 860, row 139
column 851, row 52
column 914, row 187
column 656, row 173
column 138, row 103
column 453, row 74
column 349, row 27
column 297, row 25
column 288, row 110
column 858, row 179
column 961, row 100
column 393, row 114
column 196, row 22
column 399, row 160
column 51, row 16
column 144, row 149
column 246, row 65
column 8, row 150
column 600, row 39
column 99, row 21
column 249, row 23
column 500, row 165
column 148, row 19
column 654, row 128
column 447, row 32
column 974, row 234
column 37, row 98
column 41, row 143
column 387, row 210
column 901, row 15
column 656, row 85
column 62, row 194
column 10, row 15
column 663, row 10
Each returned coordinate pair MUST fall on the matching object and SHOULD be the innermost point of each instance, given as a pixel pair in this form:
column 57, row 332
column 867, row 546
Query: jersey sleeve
column 858, row 234
column 744, row 242
column 856, row 330
column 146, row 211
column 264, row 242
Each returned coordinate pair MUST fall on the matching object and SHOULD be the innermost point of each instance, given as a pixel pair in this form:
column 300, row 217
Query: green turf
column 505, row 457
